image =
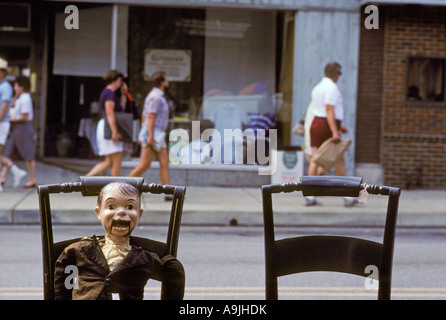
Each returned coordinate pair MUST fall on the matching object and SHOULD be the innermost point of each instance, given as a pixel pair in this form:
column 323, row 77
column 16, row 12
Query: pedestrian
column 5, row 101
column 21, row 140
column 152, row 136
column 326, row 100
column 110, row 267
column 109, row 104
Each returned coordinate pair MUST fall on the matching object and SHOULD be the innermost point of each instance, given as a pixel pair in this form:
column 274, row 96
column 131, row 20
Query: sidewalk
column 218, row 206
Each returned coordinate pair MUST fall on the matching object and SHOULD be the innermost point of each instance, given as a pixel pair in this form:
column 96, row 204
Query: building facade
column 264, row 56
column 401, row 112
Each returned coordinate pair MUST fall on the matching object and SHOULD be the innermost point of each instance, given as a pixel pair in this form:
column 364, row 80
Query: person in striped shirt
column 152, row 136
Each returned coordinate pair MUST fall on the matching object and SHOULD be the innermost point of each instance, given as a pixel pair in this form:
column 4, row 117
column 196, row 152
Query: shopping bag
column 124, row 124
column 330, row 152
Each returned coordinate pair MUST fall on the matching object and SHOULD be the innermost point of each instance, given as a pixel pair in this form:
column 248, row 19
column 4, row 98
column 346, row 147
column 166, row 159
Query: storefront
column 214, row 58
column 261, row 57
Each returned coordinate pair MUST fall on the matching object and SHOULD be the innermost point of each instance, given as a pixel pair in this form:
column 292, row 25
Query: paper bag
column 329, row 153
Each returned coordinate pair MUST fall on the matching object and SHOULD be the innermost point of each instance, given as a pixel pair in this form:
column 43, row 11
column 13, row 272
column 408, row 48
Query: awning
column 405, row 2
column 98, row 45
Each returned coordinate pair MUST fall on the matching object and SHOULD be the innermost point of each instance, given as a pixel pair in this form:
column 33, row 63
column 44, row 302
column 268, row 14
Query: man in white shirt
column 328, row 111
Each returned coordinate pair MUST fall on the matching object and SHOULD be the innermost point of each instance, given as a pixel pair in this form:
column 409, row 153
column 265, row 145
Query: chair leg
column 47, row 242
column 271, row 289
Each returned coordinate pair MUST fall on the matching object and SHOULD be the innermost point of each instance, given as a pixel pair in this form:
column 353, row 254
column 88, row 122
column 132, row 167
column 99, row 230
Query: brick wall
column 413, row 136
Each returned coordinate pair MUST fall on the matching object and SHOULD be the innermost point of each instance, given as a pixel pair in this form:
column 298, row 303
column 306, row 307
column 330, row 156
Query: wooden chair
column 91, row 186
column 329, row 253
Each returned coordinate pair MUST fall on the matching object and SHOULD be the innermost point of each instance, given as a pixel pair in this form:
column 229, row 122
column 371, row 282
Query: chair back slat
column 325, row 253
column 328, row 253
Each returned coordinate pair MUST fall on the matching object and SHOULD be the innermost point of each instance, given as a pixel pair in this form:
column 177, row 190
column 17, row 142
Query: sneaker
column 311, row 201
column 18, row 176
column 350, row 202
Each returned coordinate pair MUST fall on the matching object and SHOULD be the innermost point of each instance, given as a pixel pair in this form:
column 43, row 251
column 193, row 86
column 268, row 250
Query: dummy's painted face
column 118, row 213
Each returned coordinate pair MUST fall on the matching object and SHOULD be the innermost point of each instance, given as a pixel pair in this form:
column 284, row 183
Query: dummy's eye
column 130, row 207
column 110, row 206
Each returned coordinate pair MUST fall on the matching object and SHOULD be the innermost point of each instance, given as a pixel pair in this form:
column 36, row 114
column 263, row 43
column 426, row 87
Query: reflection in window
column 426, row 80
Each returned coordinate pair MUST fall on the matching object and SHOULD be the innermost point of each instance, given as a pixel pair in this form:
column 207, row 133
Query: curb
column 224, row 218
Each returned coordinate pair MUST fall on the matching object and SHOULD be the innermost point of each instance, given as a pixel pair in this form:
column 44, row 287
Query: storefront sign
column 176, row 63
column 290, row 166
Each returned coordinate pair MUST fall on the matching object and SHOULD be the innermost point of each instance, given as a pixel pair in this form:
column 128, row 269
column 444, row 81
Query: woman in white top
column 326, row 100
column 21, row 140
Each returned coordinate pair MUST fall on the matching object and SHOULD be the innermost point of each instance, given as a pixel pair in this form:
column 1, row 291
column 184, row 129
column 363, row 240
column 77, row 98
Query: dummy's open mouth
column 120, row 224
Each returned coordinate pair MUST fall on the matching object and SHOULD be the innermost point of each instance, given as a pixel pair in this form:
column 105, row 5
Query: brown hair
column 112, row 76
column 158, row 78
column 332, row 69
column 23, row 82
column 123, row 187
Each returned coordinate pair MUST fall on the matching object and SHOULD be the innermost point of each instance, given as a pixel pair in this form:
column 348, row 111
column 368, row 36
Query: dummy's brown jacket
column 96, row 282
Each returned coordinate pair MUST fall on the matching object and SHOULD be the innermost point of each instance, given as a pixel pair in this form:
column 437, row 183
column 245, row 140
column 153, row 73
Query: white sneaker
column 350, row 202
column 18, row 176
column 311, row 201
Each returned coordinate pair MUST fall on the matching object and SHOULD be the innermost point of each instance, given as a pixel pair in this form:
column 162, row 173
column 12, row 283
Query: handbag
column 330, row 152
column 299, row 128
column 124, row 124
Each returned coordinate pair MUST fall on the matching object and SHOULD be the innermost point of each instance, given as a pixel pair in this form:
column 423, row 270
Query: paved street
column 227, row 263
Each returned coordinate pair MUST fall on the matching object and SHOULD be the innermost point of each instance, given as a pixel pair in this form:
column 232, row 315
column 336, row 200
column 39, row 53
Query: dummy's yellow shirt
column 114, row 252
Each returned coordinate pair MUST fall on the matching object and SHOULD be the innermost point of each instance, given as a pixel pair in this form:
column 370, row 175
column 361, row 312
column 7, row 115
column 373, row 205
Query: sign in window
column 176, row 64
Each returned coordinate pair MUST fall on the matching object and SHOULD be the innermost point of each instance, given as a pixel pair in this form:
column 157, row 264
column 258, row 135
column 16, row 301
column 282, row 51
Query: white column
column 321, row 37
column 114, row 37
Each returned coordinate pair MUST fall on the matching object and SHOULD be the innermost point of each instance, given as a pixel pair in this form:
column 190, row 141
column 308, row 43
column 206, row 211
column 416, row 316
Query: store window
column 239, row 74
column 230, row 67
column 426, row 81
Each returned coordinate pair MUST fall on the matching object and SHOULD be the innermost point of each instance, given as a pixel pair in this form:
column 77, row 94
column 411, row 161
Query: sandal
column 29, row 186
